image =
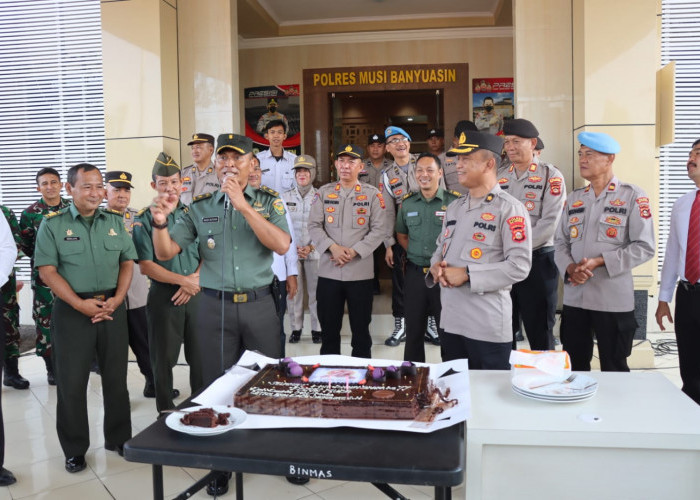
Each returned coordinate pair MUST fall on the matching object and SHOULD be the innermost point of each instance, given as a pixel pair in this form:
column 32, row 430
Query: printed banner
column 492, row 103
column 275, row 102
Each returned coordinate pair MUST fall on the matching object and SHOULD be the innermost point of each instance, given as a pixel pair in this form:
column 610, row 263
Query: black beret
column 520, row 127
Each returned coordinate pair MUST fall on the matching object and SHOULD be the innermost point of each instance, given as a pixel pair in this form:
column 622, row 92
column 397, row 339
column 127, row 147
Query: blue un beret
column 600, row 142
column 391, row 130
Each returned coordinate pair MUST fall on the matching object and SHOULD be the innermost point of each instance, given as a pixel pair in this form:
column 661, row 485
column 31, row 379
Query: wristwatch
column 164, row 225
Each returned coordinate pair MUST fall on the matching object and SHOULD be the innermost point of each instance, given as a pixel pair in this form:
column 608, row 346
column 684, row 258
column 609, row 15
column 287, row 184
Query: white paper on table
column 221, row 392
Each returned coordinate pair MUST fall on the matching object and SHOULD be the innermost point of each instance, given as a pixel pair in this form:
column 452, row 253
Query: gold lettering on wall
column 381, row 77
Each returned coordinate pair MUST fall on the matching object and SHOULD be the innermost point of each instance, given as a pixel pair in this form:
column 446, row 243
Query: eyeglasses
column 398, row 140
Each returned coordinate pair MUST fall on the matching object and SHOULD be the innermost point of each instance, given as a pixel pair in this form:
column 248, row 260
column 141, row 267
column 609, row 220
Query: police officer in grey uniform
column 200, row 177
column 118, row 194
column 606, row 230
column 540, row 187
column 397, row 181
column 484, row 248
column 376, row 161
column 346, row 223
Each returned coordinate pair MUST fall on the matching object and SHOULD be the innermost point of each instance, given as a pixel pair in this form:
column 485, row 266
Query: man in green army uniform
column 9, row 314
column 418, row 224
column 237, row 229
column 174, row 294
column 85, row 255
column 48, row 183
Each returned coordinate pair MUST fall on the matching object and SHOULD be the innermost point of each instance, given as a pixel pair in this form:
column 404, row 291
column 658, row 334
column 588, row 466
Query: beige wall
column 139, row 43
column 594, row 64
column 487, row 57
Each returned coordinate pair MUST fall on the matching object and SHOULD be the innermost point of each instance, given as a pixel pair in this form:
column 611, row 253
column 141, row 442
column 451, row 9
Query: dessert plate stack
column 578, row 387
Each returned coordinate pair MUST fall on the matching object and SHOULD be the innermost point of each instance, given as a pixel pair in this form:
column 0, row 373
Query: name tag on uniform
column 71, row 238
column 210, row 219
column 266, row 170
column 413, row 214
column 440, row 213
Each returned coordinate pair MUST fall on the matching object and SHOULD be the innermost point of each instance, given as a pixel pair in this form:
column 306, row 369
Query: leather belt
column 688, row 286
column 422, row 269
column 542, row 250
column 240, row 297
column 103, row 295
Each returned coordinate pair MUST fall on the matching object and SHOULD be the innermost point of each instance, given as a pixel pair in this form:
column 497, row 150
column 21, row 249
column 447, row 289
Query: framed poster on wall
column 492, row 103
column 274, row 102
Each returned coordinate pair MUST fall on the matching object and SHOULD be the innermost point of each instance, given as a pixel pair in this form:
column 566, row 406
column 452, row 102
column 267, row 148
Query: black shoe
column 15, row 381
column 75, row 464
column 295, row 336
column 298, row 480
column 316, row 337
column 399, row 333
column 6, row 477
column 175, row 393
column 149, row 390
column 50, row 378
column 119, row 448
column 12, row 377
column 219, row 486
column 519, row 336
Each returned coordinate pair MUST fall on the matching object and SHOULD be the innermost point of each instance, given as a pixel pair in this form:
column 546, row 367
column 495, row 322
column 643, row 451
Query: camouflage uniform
column 9, row 313
column 43, row 298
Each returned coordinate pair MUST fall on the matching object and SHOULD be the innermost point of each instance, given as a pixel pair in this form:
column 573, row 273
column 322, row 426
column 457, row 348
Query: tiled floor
column 34, row 455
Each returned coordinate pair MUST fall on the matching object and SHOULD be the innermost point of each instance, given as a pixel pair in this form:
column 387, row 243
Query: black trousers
column 421, row 302
column 613, row 330
column 332, row 296
column 138, row 340
column 688, row 339
column 281, row 309
column 397, row 281
column 482, row 355
column 535, row 300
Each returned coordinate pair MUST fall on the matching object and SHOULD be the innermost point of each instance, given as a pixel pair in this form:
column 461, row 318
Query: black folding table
column 343, row 453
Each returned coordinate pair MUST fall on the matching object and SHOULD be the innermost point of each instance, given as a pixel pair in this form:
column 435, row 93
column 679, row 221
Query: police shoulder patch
column 270, row 191
column 201, row 197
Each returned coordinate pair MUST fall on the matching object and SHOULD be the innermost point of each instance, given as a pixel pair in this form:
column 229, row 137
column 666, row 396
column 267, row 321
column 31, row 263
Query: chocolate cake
column 291, row 389
column 206, row 417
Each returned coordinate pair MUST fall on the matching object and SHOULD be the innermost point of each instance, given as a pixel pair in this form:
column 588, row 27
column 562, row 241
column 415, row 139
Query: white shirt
column 674, row 261
column 8, row 251
column 286, row 265
column 277, row 174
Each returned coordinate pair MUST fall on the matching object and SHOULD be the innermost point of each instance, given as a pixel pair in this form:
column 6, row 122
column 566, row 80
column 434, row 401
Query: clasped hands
column 582, row 271
column 99, row 310
column 341, row 255
column 448, row 277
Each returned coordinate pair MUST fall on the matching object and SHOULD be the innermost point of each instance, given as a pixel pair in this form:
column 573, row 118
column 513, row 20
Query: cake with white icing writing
column 292, row 389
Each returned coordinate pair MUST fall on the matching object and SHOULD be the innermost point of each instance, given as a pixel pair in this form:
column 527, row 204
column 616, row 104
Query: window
column 51, row 104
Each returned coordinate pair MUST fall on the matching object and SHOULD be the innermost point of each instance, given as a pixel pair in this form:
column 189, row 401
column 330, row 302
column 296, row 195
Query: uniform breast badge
column 211, row 243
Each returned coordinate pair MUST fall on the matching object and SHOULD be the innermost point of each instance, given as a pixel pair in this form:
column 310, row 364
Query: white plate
column 550, row 399
column 581, row 385
column 236, row 418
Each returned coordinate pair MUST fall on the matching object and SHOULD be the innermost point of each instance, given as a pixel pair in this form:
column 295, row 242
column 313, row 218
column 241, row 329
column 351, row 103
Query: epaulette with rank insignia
column 201, row 197
column 52, row 214
column 185, row 209
column 407, row 195
column 268, row 190
column 454, row 193
column 114, row 212
column 142, row 211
